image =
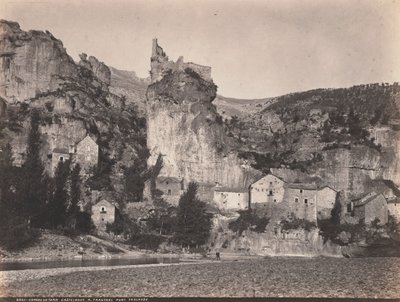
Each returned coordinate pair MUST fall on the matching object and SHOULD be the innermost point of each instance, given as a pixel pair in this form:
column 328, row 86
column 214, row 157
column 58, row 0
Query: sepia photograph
column 199, row 150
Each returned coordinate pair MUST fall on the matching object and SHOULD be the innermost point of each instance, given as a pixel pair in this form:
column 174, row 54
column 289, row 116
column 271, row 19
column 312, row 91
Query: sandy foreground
column 270, row 277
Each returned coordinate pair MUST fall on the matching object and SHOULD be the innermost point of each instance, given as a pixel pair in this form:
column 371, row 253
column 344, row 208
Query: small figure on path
column 218, row 255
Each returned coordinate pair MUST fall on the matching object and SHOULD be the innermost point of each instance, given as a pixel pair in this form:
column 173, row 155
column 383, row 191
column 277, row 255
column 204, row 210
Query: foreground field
column 274, row 277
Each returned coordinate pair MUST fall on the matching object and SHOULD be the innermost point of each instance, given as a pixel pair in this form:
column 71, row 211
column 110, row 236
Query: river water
column 7, row 266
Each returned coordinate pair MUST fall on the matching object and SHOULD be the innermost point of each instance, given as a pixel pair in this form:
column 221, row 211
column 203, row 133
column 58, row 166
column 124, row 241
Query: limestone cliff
column 73, row 100
column 347, row 138
column 184, row 127
column 31, row 62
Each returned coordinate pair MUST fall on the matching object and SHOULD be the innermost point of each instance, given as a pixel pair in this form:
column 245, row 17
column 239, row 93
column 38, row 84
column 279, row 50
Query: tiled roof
column 366, row 199
column 61, row 150
column 234, row 190
column 168, row 178
column 303, row 186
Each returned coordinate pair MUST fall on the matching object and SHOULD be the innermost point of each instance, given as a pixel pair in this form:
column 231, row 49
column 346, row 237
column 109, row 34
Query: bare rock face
column 73, row 101
column 31, row 63
column 99, row 69
column 183, row 126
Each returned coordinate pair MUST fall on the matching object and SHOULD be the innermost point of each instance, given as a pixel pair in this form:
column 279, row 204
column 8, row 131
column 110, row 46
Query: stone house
column 306, row 201
column 59, row 155
column 369, row 207
column 103, row 212
column 270, row 188
column 326, row 198
column 171, row 187
column 302, row 200
column 85, row 152
column 231, row 199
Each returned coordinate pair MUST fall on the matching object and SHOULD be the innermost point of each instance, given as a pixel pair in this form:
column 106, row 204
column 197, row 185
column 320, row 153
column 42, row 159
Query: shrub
column 295, row 223
column 248, row 220
column 147, row 241
column 15, row 235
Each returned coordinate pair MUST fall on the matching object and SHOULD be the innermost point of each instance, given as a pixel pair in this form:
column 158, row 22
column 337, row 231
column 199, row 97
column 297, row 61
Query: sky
column 256, row 48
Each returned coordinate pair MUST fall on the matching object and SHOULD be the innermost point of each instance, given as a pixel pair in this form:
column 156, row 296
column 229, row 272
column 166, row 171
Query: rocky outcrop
column 73, row 100
column 31, row 63
column 184, row 127
column 271, row 243
column 99, row 69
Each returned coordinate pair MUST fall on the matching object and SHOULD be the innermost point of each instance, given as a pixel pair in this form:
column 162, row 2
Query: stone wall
column 103, row 213
column 228, row 200
column 58, row 157
column 268, row 189
column 376, row 208
column 87, row 153
column 171, row 188
column 394, row 210
column 302, row 202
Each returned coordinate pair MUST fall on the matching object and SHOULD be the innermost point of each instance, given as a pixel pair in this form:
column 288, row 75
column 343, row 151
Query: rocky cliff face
column 73, row 99
column 184, row 127
column 346, row 138
column 31, row 62
column 270, row 243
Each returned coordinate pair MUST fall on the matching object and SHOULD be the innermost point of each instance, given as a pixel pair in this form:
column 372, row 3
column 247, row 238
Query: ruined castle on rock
column 182, row 127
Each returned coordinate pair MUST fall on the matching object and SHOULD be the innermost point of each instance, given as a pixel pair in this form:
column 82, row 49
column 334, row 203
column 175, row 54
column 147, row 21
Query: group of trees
column 30, row 199
column 187, row 225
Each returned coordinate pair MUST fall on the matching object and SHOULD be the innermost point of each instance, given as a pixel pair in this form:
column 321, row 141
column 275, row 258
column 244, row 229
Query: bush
column 147, row 241
column 248, row 220
column 330, row 231
column 295, row 223
column 16, row 235
column 123, row 226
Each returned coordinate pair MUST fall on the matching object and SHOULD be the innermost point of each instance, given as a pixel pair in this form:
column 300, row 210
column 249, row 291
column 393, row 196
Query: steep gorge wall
column 182, row 126
column 31, row 63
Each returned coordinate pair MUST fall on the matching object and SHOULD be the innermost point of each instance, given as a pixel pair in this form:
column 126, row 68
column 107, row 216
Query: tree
column 57, row 208
column 193, row 222
column 75, row 195
column 33, row 192
column 134, row 183
column 14, row 232
column 6, row 178
column 163, row 218
column 337, row 209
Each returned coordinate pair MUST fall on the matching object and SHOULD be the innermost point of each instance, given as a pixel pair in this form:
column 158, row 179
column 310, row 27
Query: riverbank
column 269, row 277
column 52, row 246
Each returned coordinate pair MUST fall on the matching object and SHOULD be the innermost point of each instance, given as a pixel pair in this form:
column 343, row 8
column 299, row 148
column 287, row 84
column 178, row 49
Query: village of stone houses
column 97, row 163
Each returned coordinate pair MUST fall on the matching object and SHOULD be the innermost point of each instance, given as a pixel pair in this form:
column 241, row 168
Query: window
column 270, row 192
column 274, row 200
column 301, row 191
column 61, row 158
column 349, row 208
column 296, row 200
column 169, row 191
column 238, row 194
column 305, row 200
column 103, row 210
column 270, row 183
column 167, row 182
